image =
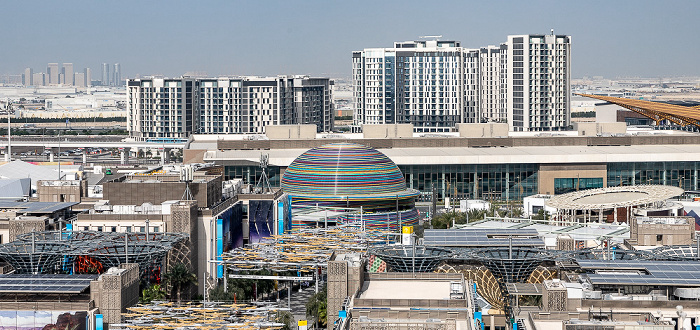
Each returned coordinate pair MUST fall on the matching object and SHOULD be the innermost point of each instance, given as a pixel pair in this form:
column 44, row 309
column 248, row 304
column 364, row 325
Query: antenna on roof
column 551, row 31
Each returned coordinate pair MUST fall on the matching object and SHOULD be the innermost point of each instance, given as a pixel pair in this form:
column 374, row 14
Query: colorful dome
column 344, row 169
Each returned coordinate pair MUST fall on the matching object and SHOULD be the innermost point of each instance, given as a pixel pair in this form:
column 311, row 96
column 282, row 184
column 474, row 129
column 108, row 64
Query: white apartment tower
column 539, row 82
column 418, row 82
column 158, row 108
column 436, row 84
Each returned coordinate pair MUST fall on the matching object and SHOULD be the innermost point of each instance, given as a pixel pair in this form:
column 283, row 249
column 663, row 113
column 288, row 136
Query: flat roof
column 406, row 289
column 481, row 237
column 36, row 207
column 492, row 155
column 45, row 283
column 642, row 272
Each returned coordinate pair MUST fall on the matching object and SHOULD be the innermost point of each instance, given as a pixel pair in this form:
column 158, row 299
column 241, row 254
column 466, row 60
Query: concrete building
column 159, row 108
column 367, row 300
column 52, row 74
column 68, row 301
column 67, row 72
column 508, row 168
column 538, row 77
column 27, row 77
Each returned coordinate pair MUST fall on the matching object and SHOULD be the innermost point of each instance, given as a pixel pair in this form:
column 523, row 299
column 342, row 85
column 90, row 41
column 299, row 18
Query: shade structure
column 350, row 177
column 406, row 258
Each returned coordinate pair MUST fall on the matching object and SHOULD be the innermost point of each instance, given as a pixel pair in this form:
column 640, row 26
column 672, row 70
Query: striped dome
column 343, row 169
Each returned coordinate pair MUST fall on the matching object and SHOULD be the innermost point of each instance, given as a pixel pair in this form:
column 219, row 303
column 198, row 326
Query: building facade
column 158, row 108
column 539, row 82
column 67, row 72
column 52, row 74
column 106, row 81
column 435, row 84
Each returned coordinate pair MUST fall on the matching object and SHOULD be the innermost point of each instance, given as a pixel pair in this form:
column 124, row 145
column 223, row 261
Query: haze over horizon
column 609, row 38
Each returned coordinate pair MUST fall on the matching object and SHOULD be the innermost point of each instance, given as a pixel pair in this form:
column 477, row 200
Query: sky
column 619, row 38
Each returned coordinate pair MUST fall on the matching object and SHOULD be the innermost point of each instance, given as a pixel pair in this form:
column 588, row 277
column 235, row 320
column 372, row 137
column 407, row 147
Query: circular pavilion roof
column 344, row 169
column 613, row 197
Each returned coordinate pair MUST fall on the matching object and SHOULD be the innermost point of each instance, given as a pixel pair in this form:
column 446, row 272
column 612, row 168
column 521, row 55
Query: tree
column 286, row 318
column 179, row 278
column 151, row 293
column 317, row 307
column 541, row 215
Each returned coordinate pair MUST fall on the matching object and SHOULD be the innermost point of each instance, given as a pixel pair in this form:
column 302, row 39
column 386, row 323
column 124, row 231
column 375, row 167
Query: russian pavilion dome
column 344, row 169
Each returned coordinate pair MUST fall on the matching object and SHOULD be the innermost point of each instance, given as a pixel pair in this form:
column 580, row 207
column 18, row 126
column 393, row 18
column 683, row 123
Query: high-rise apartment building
column 176, row 108
column 117, row 81
column 539, row 82
column 27, row 77
column 67, row 72
column 106, row 81
column 435, row 84
column 418, row 82
column 52, row 73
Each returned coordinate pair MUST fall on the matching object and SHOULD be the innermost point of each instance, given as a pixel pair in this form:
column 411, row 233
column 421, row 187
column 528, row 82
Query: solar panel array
column 45, row 283
column 481, row 237
column 643, row 272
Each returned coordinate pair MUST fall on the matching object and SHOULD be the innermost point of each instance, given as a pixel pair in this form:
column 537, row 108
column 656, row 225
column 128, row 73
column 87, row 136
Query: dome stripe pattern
column 343, row 169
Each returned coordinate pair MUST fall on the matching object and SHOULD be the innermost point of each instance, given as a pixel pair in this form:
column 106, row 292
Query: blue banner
column 219, row 247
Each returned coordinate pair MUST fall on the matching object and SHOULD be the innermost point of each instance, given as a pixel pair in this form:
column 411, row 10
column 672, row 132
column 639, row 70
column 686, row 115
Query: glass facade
column 679, row 174
column 509, row 181
column 565, row 185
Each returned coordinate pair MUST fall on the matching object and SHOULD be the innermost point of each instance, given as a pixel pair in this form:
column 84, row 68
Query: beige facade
column 548, row 173
column 115, row 290
column 290, row 131
column 597, row 129
column 485, row 130
column 387, row 131
column 61, row 191
column 156, row 189
column 657, row 231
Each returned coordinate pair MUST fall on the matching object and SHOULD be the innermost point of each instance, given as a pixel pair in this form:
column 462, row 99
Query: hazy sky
column 611, row 38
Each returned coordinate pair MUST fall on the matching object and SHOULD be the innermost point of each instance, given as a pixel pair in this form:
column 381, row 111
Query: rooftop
column 398, row 289
column 36, row 207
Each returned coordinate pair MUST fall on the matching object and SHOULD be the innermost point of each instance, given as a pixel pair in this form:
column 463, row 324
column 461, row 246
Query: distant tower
column 52, row 73
column 88, row 77
column 67, row 74
column 117, row 75
column 27, row 77
column 105, row 74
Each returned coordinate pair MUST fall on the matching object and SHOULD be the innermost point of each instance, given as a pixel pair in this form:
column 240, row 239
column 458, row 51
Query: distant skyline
column 609, row 38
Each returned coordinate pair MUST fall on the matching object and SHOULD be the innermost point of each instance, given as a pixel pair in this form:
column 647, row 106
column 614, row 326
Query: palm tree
column 286, row 318
column 317, row 307
column 151, row 293
column 179, row 278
